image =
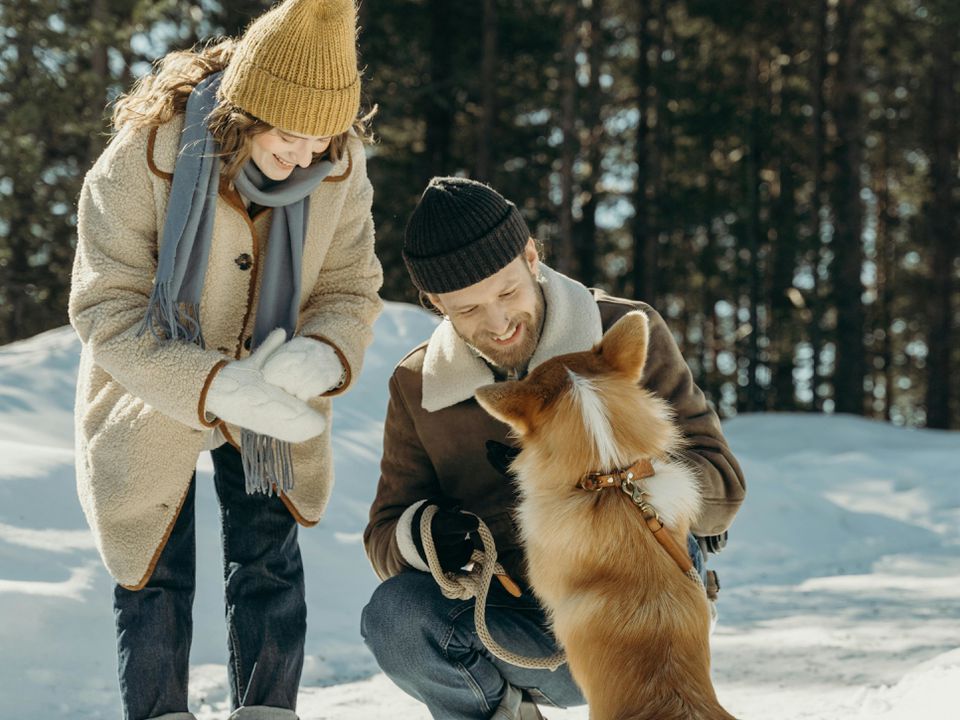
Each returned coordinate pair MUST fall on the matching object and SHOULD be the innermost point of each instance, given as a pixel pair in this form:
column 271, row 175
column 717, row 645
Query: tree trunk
column 439, row 100
column 587, row 228
column 850, row 364
column 886, row 262
column 659, row 150
column 815, row 302
column 783, row 315
column 644, row 239
column 711, row 341
column 568, row 118
column 943, row 220
column 783, row 324
column 99, row 32
column 15, row 272
column 752, row 402
column 488, row 93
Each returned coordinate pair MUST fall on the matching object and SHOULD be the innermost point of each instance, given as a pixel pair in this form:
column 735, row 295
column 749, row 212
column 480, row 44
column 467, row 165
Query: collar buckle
column 619, row 479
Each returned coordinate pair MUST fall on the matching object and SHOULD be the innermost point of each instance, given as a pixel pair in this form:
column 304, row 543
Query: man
column 469, row 251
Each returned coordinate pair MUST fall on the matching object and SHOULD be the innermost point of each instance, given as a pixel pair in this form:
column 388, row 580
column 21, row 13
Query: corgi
column 635, row 625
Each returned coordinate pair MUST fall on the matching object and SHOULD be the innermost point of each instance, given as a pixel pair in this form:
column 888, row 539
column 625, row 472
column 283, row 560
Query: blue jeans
column 265, row 607
column 696, row 554
column 429, row 647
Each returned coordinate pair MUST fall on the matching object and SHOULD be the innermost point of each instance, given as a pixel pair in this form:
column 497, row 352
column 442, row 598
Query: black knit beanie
column 460, row 233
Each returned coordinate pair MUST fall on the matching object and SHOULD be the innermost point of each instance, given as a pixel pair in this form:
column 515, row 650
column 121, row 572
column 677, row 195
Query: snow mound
column 925, row 692
column 841, row 580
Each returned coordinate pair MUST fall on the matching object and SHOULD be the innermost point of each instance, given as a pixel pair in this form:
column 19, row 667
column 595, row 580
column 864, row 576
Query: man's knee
column 400, row 616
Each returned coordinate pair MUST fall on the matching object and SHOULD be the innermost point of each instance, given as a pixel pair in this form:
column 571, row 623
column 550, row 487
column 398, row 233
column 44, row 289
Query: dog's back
column 634, row 625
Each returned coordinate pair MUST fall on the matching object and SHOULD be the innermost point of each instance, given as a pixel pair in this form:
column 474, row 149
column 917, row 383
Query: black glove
column 452, row 532
column 500, row 456
column 715, row 543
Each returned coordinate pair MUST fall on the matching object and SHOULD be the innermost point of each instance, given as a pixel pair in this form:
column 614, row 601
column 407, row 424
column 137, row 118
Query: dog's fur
column 635, row 628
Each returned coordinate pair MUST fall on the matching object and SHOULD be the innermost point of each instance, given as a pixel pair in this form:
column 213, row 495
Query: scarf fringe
column 167, row 319
column 267, row 464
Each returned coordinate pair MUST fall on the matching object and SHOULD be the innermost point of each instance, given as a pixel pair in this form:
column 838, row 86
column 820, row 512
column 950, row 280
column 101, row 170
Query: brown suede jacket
column 435, row 433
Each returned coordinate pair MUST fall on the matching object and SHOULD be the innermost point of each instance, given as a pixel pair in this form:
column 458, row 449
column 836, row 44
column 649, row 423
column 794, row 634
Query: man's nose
column 498, row 320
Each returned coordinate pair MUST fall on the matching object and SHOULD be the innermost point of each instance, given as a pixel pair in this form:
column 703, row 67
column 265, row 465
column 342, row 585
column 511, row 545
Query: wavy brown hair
column 156, row 98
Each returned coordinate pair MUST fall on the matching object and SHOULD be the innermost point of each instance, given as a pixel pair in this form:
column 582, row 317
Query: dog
column 634, row 625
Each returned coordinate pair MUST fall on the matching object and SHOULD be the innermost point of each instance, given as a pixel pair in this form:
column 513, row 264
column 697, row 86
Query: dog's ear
column 511, row 402
column 624, row 346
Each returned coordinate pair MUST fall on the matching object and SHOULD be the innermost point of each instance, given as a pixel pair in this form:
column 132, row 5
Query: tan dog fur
column 635, row 628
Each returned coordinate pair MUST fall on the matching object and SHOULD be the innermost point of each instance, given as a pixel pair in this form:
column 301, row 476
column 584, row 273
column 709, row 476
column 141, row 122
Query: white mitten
column 304, row 367
column 239, row 394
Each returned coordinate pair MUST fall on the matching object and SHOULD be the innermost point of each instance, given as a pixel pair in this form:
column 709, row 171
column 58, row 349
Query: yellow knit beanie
column 296, row 68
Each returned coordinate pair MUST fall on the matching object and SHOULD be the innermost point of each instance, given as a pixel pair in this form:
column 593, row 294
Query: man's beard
column 515, row 358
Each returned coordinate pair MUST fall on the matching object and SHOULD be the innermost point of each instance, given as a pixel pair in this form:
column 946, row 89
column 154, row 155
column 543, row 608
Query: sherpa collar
column 452, row 371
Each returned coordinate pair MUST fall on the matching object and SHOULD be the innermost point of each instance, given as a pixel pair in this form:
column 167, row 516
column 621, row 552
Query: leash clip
column 632, row 489
column 638, row 495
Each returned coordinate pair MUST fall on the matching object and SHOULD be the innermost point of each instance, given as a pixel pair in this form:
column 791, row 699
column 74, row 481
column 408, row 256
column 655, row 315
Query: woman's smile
column 283, row 164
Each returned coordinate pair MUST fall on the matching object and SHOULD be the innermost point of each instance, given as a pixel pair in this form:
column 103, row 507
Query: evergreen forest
column 779, row 179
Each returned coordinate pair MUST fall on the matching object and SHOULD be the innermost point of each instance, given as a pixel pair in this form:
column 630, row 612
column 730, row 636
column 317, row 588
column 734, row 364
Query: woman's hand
column 304, row 367
column 241, row 395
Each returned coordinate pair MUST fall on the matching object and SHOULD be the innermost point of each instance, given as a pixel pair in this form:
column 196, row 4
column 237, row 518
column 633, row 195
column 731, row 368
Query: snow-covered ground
column 841, row 582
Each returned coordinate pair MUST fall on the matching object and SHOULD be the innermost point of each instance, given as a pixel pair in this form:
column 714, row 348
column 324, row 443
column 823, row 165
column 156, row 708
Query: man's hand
column 239, row 394
column 451, row 529
column 304, row 368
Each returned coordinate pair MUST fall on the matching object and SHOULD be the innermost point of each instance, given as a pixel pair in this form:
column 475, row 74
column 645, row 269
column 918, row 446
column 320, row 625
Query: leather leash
column 627, row 480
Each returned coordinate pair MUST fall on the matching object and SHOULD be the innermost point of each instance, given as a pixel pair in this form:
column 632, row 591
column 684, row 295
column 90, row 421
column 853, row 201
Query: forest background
column 779, row 179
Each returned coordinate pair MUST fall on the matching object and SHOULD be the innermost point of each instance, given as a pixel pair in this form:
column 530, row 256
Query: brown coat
column 441, row 450
column 140, row 420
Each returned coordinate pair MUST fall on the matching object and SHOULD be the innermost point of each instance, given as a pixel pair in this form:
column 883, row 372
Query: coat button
column 244, row 261
column 247, row 343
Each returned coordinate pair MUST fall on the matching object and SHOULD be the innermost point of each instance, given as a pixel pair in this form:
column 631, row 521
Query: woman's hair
column 156, row 98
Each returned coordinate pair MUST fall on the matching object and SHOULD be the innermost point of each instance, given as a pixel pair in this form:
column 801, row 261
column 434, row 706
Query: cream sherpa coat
column 140, row 420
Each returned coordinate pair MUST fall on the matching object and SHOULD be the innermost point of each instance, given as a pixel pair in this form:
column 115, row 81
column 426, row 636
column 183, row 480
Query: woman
column 224, row 288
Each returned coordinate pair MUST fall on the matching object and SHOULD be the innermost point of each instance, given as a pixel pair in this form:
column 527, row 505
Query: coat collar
column 452, row 371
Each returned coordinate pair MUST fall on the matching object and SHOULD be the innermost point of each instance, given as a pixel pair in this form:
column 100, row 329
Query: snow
column 841, row 582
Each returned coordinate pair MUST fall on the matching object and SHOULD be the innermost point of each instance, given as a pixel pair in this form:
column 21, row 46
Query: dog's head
column 586, row 411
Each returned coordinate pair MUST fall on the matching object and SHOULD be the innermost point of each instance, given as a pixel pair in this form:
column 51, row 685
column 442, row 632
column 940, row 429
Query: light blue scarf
column 173, row 313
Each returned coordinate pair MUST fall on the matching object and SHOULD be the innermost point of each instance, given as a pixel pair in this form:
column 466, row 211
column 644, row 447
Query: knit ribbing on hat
column 460, row 233
column 296, row 68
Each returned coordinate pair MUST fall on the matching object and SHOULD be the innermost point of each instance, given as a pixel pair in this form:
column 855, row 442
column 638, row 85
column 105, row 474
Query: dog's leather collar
column 627, row 480
column 641, row 469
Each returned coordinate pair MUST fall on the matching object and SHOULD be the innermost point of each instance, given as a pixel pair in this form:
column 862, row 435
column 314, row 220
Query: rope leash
column 476, row 583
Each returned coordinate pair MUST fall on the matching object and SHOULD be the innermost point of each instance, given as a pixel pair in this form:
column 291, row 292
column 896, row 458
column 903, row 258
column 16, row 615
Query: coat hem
column 163, row 544
column 292, row 509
